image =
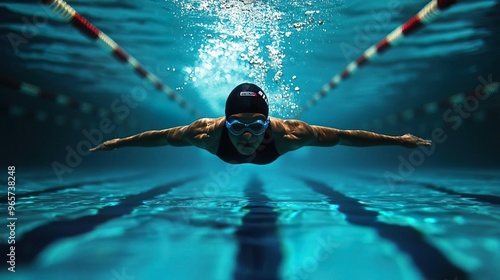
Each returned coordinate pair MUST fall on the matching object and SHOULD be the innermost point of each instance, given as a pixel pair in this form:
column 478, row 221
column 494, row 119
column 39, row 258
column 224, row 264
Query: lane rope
column 460, row 99
column 58, row 99
column 67, row 13
column 39, row 116
column 424, row 17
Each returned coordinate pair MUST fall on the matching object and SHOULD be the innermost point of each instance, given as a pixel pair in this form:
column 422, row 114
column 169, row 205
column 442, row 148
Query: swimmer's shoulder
column 278, row 126
column 206, row 125
column 282, row 127
column 290, row 135
column 205, row 133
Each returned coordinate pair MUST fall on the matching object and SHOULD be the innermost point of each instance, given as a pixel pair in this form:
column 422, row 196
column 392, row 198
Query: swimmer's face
column 246, row 143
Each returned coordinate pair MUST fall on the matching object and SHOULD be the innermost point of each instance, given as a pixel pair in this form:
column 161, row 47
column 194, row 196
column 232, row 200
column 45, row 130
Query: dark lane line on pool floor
column 429, row 260
column 77, row 185
column 485, row 198
column 32, row 243
column 260, row 251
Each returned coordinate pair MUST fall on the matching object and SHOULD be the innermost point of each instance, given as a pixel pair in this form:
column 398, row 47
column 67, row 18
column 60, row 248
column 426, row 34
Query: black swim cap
column 247, row 98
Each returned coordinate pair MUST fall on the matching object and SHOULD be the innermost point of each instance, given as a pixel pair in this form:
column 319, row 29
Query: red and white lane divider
column 59, row 99
column 56, row 119
column 68, row 14
column 40, row 116
column 425, row 16
column 467, row 103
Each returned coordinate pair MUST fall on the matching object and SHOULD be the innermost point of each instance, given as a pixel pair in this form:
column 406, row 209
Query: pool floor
column 249, row 224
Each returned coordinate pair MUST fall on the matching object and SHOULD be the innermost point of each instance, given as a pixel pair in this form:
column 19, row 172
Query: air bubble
column 236, row 38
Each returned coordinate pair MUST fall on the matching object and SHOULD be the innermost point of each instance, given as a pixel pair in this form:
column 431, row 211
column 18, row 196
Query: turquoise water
column 259, row 223
column 315, row 213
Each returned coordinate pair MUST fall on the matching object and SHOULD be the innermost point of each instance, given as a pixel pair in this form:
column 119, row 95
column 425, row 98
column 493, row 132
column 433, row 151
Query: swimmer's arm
column 326, row 136
column 294, row 134
column 187, row 135
column 152, row 138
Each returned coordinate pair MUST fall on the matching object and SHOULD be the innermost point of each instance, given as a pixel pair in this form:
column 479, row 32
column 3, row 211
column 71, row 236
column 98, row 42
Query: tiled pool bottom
column 257, row 225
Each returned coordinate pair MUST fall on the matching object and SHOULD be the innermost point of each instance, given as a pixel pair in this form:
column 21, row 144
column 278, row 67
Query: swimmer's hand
column 107, row 145
column 411, row 141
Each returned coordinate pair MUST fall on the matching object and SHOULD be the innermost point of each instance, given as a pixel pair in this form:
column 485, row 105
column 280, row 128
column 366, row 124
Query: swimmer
column 246, row 134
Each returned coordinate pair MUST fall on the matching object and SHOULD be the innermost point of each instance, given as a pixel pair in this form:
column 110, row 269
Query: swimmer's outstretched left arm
column 361, row 138
column 297, row 134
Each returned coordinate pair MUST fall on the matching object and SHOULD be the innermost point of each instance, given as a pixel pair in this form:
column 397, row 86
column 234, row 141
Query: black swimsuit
column 265, row 153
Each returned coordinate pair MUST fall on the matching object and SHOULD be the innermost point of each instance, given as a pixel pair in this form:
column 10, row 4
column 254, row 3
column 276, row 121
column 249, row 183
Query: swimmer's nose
column 246, row 135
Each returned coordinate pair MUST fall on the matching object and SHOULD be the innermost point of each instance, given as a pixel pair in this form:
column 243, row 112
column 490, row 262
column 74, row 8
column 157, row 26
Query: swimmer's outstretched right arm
column 187, row 135
column 152, row 138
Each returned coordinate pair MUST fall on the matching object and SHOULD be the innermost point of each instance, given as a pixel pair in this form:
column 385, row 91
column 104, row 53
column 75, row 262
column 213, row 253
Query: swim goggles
column 256, row 128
